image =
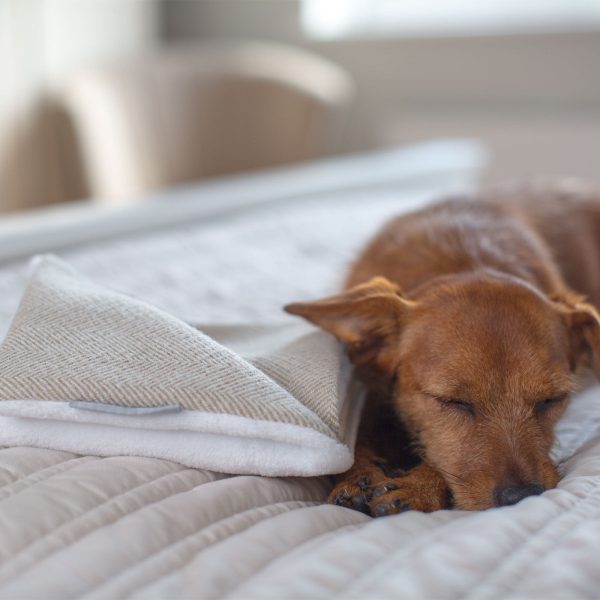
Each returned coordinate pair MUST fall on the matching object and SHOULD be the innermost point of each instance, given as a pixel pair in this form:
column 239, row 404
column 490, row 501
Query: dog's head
column 481, row 369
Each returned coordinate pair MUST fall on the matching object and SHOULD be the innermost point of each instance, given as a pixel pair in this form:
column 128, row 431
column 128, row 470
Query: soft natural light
column 348, row 18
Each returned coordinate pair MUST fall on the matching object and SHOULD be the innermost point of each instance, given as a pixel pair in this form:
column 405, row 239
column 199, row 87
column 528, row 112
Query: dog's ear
column 368, row 318
column 583, row 325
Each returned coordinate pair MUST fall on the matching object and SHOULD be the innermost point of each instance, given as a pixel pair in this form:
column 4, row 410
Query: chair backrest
column 202, row 111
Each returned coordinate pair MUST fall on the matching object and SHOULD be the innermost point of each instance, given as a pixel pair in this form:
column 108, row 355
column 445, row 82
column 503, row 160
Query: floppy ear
column 368, row 318
column 583, row 323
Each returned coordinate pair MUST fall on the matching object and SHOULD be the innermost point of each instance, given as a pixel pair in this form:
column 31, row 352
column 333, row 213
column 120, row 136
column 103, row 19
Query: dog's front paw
column 355, row 490
column 420, row 489
column 378, row 495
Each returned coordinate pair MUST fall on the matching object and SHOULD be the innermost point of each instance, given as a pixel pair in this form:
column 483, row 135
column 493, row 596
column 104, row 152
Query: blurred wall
column 42, row 42
column 535, row 99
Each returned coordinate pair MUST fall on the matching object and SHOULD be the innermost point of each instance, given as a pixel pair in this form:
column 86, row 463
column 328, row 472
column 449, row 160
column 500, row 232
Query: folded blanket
column 89, row 370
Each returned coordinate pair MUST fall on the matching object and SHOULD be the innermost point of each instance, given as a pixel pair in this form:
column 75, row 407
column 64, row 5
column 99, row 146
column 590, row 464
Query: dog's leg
column 422, row 488
column 366, row 487
column 387, row 476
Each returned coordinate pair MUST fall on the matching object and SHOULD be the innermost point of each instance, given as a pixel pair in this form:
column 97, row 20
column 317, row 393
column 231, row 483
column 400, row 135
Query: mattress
column 234, row 252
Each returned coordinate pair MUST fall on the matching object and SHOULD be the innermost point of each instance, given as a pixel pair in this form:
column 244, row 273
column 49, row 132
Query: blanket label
column 124, row 410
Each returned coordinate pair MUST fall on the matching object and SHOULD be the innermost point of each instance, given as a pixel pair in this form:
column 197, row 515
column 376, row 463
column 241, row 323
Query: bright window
column 331, row 19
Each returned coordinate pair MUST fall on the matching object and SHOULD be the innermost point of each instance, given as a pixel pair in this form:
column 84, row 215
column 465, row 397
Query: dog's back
column 568, row 219
column 548, row 236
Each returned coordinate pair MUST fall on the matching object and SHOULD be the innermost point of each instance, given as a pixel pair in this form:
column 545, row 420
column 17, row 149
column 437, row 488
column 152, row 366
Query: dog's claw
column 380, row 491
column 341, row 499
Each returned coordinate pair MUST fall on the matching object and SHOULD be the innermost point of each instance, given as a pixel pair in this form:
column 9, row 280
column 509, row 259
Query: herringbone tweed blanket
column 86, row 369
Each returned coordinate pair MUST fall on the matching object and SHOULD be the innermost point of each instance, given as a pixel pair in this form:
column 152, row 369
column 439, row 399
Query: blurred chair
column 203, row 111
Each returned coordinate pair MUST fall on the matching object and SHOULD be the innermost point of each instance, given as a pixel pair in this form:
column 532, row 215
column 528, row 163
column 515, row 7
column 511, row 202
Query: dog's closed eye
column 544, row 406
column 451, row 403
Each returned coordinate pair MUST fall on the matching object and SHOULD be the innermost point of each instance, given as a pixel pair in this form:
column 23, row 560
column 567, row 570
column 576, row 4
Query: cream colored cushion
column 86, row 369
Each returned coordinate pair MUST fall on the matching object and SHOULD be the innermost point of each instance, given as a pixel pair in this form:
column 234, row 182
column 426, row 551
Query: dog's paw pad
column 364, row 483
column 361, row 504
column 391, row 508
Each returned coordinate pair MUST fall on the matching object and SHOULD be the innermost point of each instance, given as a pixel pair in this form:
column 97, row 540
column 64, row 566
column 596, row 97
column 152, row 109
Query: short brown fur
column 469, row 318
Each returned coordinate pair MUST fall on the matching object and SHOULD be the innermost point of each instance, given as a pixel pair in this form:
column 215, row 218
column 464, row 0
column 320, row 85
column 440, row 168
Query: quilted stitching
column 257, row 513
column 514, row 566
column 11, row 459
column 40, row 475
column 292, row 554
column 57, row 537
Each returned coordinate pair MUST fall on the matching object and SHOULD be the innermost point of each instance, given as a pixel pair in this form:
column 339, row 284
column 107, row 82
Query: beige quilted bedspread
column 82, row 526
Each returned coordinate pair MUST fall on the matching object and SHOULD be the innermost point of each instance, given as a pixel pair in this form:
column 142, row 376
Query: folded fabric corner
column 90, row 370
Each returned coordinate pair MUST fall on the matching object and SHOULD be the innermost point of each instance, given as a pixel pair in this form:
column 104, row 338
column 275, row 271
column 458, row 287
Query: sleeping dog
column 468, row 321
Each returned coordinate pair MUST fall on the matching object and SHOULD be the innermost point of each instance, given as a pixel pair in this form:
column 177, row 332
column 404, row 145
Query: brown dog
column 467, row 318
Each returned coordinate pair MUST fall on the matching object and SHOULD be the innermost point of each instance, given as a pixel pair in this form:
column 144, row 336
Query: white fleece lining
column 235, row 445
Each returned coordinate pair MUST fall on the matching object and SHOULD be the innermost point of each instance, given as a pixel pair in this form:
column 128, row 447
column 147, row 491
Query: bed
column 234, row 251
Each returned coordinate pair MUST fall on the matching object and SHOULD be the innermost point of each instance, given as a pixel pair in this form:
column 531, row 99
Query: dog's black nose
column 507, row 495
